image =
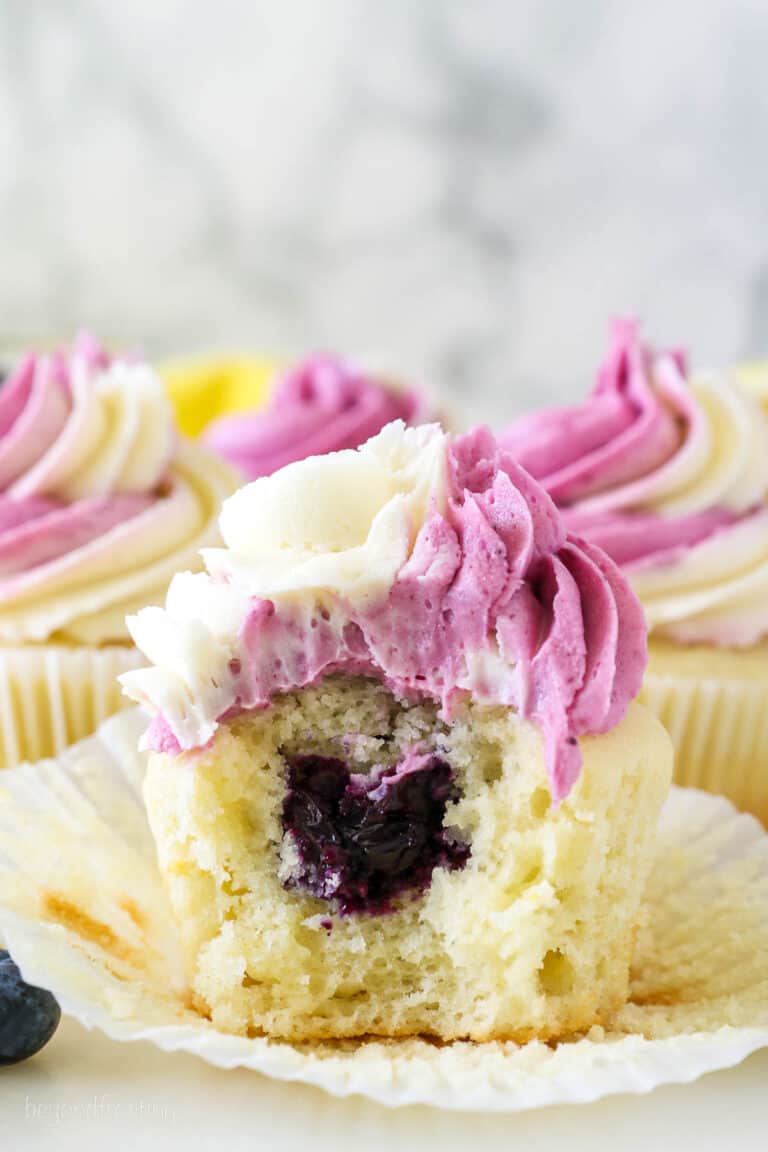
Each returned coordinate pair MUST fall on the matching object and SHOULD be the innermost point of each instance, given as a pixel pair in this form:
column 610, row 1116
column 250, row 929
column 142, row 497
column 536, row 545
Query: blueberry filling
column 29, row 1016
column 363, row 840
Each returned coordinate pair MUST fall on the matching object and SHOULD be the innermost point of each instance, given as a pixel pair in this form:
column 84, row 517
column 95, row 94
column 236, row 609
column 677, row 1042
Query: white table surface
column 85, row 1092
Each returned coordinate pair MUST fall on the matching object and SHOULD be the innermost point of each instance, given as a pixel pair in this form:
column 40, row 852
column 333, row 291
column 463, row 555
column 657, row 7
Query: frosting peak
column 355, row 531
column 449, row 573
column 622, row 430
column 76, row 424
column 323, row 405
column 668, row 474
column 100, row 503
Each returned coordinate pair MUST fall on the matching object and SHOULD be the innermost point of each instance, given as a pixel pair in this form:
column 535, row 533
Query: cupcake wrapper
column 98, row 933
column 720, row 732
column 51, row 696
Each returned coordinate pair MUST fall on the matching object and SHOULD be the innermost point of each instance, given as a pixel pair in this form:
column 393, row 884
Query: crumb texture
column 531, row 938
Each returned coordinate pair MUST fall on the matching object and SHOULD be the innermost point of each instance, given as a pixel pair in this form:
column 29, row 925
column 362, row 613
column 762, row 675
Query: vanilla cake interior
column 347, row 863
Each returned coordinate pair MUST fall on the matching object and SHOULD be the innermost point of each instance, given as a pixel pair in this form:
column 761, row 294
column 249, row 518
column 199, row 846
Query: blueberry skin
column 29, row 1016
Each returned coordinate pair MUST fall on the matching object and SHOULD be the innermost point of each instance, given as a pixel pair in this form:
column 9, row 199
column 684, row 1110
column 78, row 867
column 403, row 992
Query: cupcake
column 322, row 405
column 398, row 783
column 669, row 474
column 100, row 503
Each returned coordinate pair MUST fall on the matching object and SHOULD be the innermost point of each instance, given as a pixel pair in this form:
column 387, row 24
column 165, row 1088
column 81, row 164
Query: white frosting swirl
column 435, row 564
column 670, row 476
column 367, row 506
column 100, row 502
column 716, row 590
column 721, row 460
column 84, row 596
column 89, row 427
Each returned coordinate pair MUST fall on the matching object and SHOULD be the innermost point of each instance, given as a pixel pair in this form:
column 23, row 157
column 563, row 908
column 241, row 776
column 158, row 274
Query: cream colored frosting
column 117, row 435
column 85, row 597
column 715, row 592
column 670, row 476
column 100, row 502
column 354, row 534
column 436, row 565
column 722, row 457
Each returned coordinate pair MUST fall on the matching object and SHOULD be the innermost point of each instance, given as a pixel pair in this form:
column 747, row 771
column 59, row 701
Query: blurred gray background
column 467, row 190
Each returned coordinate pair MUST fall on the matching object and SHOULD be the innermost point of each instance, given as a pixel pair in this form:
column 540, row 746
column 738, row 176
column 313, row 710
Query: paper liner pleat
column 720, row 732
column 52, row 696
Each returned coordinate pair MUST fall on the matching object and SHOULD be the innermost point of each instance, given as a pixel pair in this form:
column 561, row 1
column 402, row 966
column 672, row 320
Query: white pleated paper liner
column 52, row 695
column 83, row 912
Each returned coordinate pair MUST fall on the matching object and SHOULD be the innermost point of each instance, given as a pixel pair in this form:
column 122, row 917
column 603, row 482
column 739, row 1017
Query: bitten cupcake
column 669, row 474
column 398, row 784
column 100, row 503
column 323, row 405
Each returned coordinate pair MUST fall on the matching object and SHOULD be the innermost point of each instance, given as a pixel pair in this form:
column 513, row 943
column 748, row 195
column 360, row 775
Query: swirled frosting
column 100, row 503
column 323, row 405
column 436, row 565
column 669, row 475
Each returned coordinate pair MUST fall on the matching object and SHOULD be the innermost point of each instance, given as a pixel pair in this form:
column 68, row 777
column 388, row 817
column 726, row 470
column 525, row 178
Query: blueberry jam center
column 362, row 840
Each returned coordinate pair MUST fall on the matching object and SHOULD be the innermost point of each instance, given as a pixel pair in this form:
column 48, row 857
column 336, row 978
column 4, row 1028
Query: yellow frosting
column 203, row 388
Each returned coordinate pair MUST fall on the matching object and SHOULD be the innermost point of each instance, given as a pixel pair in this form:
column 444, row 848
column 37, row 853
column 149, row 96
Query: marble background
column 465, row 189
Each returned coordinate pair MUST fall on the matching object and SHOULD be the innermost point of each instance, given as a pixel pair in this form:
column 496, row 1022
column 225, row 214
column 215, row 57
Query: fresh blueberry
column 360, row 843
column 29, row 1016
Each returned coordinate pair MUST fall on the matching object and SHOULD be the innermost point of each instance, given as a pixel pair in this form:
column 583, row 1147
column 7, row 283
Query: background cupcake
column 669, row 475
column 204, row 388
column 100, row 503
column 323, row 404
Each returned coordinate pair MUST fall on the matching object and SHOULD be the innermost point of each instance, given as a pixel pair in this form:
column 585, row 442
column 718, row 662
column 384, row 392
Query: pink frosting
column 601, row 459
column 495, row 601
column 37, row 425
column 639, row 538
column 322, row 406
column 620, row 434
column 36, row 532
